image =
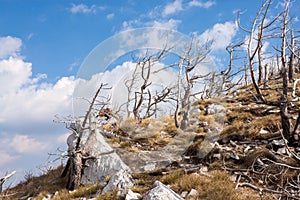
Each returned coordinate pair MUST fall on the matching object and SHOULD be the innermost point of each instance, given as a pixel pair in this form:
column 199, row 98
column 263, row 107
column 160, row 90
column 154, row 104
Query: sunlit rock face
column 102, row 160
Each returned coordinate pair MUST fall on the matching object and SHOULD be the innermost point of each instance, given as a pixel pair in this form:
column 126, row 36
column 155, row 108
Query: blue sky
column 43, row 43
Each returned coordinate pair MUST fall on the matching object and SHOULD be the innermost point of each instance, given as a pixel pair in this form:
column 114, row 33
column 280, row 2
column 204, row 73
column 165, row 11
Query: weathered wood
column 2, row 180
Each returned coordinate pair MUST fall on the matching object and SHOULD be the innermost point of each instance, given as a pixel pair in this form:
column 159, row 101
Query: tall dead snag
column 292, row 57
column 255, row 44
column 77, row 153
column 192, row 58
column 285, row 118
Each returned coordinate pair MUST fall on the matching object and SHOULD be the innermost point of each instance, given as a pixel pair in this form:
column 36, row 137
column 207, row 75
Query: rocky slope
column 233, row 149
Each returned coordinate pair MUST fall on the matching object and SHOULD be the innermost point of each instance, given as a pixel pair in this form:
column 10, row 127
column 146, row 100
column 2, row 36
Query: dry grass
column 49, row 182
column 85, row 191
column 145, row 181
column 62, row 195
column 172, row 177
column 219, row 186
column 268, row 122
column 239, row 116
column 112, row 195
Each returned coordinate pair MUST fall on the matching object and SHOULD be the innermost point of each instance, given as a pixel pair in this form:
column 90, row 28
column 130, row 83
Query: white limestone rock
column 120, row 181
column 103, row 162
column 133, row 195
column 161, row 192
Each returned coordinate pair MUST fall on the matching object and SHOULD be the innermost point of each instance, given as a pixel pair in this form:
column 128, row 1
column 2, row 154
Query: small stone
column 217, row 155
column 233, row 177
column 204, row 169
column 193, row 193
column 235, row 156
column 132, row 195
column 281, row 150
column 184, row 194
column 279, row 143
column 247, row 149
column 263, row 131
column 260, row 162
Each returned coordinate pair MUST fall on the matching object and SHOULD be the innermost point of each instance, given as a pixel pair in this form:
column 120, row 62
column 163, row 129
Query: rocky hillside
column 233, row 148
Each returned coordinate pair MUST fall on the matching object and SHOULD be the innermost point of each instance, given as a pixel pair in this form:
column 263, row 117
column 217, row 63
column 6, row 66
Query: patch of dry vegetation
column 49, row 182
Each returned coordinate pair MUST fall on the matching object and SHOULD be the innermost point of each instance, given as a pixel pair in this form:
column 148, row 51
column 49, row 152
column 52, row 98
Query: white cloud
column 110, row 16
column 171, row 24
column 6, row 158
column 220, row 34
column 27, row 101
column 14, row 73
column 9, row 46
column 35, row 101
column 82, row 8
column 26, row 144
column 172, row 8
column 177, row 6
column 200, row 4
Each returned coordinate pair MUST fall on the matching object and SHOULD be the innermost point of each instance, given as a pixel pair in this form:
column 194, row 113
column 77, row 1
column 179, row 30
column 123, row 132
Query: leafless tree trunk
column 78, row 155
column 285, row 118
column 177, row 109
column 140, row 96
column 266, row 75
column 292, row 58
column 257, row 49
column 189, row 61
column 6, row 177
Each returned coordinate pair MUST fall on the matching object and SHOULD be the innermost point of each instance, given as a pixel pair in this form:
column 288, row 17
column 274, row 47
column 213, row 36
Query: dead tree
column 138, row 87
column 77, row 153
column 255, row 44
column 5, row 178
column 279, row 29
column 192, row 58
column 233, row 70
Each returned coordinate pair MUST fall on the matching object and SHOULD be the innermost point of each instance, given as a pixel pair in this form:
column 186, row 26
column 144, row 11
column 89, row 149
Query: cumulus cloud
column 82, row 8
column 6, row 158
column 14, row 73
column 26, row 144
column 171, row 24
column 177, row 6
column 9, row 46
column 220, row 34
column 37, row 102
column 200, row 4
column 29, row 101
column 173, row 7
